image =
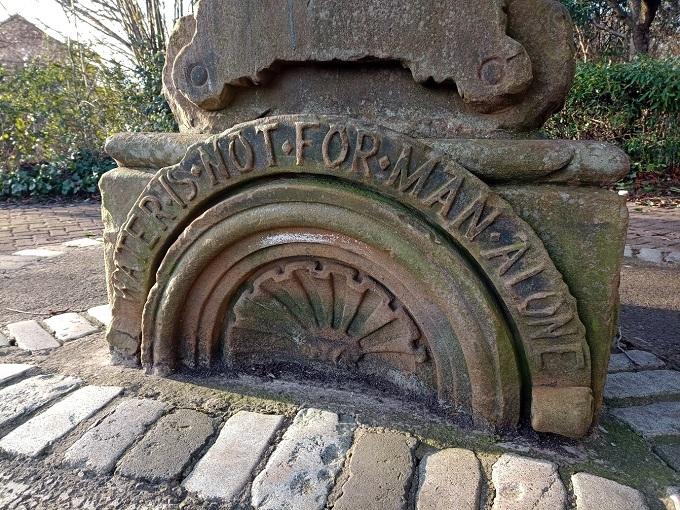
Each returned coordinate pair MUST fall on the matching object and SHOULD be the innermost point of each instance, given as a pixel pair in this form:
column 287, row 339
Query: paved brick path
column 29, row 225
column 654, row 228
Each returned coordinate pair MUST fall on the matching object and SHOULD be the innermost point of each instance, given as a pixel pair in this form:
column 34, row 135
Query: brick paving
column 655, row 228
column 38, row 224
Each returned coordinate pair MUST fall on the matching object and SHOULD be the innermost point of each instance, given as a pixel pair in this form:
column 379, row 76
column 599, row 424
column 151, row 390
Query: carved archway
column 507, row 260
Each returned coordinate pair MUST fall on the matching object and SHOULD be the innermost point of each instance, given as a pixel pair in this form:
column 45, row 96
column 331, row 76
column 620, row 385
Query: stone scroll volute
column 240, row 43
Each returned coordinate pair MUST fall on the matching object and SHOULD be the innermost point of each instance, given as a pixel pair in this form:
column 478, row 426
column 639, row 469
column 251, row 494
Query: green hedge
column 635, row 105
column 55, row 118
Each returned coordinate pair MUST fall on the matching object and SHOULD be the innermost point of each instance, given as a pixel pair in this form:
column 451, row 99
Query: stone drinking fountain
column 360, row 189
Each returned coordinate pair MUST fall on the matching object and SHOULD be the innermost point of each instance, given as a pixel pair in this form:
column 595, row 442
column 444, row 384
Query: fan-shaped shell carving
column 322, row 310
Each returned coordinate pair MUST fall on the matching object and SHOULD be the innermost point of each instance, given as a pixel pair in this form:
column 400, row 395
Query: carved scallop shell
column 322, row 310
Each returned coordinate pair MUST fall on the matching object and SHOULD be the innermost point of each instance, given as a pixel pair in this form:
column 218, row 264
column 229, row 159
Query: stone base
column 346, row 274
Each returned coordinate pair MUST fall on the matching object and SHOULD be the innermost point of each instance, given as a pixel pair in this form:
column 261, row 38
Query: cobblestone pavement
column 29, row 225
column 77, row 433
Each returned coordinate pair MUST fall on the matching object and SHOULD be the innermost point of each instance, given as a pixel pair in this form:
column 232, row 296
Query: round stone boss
column 505, row 258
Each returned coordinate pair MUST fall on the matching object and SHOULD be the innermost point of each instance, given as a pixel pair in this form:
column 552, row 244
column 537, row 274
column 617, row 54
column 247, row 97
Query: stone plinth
column 468, row 273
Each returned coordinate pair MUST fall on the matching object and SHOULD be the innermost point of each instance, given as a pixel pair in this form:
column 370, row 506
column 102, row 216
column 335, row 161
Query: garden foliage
column 55, row 117
column 635, row 105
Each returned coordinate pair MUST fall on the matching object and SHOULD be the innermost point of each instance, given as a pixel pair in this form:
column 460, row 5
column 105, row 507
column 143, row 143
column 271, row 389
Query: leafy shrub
column 73, row 175
column 635, row 105
column 54, row 119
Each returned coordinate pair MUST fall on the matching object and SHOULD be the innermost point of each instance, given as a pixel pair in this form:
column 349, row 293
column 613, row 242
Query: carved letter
column 475, row 211
column 214, row 164
column 249, row 157
column 417, row 179
column 515, row 251
column 266, row 130
column 152, row 206
column 139, row 234
column 168, row 189
column 553, row 327
column 361, row 155
column 300, row 142
column 344, row 146
column 186, row 181
column 445, row 195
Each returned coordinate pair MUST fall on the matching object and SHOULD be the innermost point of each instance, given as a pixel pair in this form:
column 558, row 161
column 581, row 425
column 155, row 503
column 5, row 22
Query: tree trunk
column 642, row 14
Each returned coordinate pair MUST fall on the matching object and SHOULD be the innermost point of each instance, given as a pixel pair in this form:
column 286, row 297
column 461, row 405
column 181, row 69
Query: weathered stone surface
column 545, row 161
column 652, row 384
column 30, row 394
column 572, row 222
column 4, row 341
column 301, row 471
column 485, row 64
column 670, row 453
column 225, row 470
column 83, row 242
column 34, row 436
column 100, row 447
column 119, row 190
column 42, row 253
column 69, row 326
column 522, row 483
column 564, row 411
column 449, row 479
column 11, row 262
column 634, row 360
column 393, row 97
column 29, row 336
column 494, row 161
column 167, row 449
column 380, row 471
column 652, row 420
column 9, row 371
column 150, row 150
column 101, row 314
column 596, row 493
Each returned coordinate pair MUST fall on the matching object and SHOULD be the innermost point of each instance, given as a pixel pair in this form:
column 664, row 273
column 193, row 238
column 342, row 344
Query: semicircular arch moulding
column 542, row 314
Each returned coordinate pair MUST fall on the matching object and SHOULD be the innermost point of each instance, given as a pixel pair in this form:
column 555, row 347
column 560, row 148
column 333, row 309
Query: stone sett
column 30, row 394
column 522, row 483
column 301, row 472
column 100, row 447
column 450, row 479
column 69, row 326
column 596, row 493
column 653, row 420
column 380, row 471
column 167, row 449
column 651, row 384
column 34, row 436
column 30, row 336
column 9, row 371
column 101, row 314
column 43, row 253
column 225, row 470
column 83, row 242
column 670, row 453
column 12, row 262
column 634, row 360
